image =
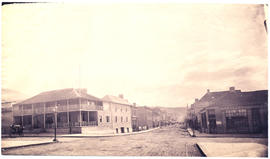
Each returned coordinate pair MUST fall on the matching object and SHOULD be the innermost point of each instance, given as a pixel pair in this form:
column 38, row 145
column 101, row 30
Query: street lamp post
column 55, row 116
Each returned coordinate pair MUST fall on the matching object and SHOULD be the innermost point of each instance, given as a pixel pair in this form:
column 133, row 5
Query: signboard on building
column 218, row 122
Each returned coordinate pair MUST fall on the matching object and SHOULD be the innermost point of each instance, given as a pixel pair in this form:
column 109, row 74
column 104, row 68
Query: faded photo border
column 191, row 76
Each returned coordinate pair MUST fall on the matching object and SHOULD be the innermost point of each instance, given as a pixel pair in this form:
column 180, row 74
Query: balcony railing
column 90, row 123
column 62, row 125
column 88, row 107
column 62, row 108
column 74, row 107
column 17, row 112
column 84, row 123
column 50, row 109
column 39, row 110
column 99, row 107
column 27, row 111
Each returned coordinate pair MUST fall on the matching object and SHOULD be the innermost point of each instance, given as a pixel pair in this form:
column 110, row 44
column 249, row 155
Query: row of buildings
column 76, row 111
column 231, row 111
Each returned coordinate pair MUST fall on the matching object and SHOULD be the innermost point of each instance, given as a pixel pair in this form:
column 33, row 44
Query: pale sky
column 154, row 54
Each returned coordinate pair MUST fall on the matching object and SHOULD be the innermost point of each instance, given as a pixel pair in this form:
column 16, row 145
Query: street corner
column 21, row 142
column 210, row 149
column 191, row 132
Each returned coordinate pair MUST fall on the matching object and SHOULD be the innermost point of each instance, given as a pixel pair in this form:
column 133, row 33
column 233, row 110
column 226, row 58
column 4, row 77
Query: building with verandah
column 70, row 109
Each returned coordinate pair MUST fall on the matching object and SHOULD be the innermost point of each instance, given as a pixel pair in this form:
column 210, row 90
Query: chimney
column 134, row 104
column 208, row 90
column 232, row 89
column 196, row 100
column 121, row 96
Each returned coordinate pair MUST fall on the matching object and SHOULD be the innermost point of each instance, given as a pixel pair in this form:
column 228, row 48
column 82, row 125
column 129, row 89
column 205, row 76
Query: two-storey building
column 65, row 108
column 118, row 111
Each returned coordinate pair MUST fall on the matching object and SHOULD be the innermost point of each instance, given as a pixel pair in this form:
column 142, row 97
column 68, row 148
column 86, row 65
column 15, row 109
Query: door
column 122, row 130
column 256, row 120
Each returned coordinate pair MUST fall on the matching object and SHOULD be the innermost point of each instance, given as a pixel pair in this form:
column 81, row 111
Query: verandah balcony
column 91, row 107
column 72, row 124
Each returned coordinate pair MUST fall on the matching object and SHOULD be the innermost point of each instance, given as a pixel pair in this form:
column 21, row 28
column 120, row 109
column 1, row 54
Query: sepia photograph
column 134, row 79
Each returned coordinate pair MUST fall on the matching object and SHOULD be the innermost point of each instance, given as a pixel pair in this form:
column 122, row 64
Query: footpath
column 214, row 149
column 105, row 135
column 22, row 143
column 205, row 135
column 211, row 149
column 17, row 142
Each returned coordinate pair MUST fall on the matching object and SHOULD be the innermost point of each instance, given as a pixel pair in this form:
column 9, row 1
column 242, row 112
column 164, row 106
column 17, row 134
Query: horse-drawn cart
column 16, row 129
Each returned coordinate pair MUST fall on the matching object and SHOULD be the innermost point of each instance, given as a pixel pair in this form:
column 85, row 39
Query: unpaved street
column 167, row 141
column 163, row 142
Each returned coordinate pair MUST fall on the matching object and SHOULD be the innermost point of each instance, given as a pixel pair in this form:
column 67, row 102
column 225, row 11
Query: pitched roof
column 114, row 99
column 215, row 96
column 229, row 98
column 244, row 98
column 56, row 95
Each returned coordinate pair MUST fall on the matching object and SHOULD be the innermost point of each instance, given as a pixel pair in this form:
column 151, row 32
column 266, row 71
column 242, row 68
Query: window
column 126, row 119
column 126, row 109
column 100, row 119
column 237, row 120
column 121, row 109
column 236, row 112
column 211, row 114
column 116, row 119
column 128, row 130
column 108, row 119
column 116, row 130
column 121, row 119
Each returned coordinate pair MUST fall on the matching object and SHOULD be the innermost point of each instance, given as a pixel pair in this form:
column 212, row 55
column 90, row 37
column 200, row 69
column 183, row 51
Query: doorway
column 122, row 130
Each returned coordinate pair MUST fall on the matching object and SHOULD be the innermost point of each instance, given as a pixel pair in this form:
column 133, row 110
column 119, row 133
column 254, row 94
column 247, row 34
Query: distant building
column 145, row 118
column 118, row 112
column 231, row 111
column 163, row 116
column 66, row 107
column 156, row 117
column 6, row 116
column 134, row 118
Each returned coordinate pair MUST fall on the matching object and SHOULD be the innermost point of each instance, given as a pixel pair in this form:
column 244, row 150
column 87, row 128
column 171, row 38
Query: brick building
column 231, row 111
column 144, row 118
